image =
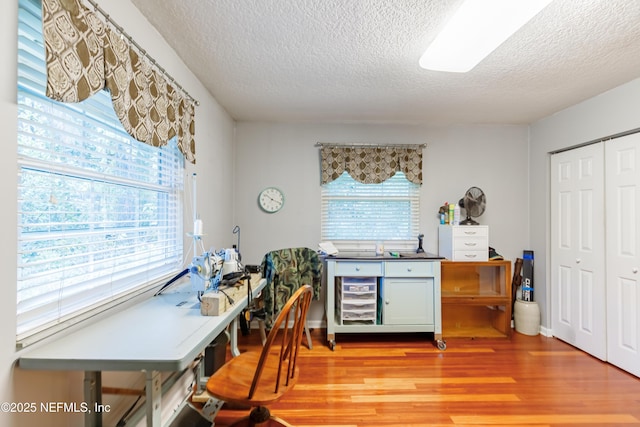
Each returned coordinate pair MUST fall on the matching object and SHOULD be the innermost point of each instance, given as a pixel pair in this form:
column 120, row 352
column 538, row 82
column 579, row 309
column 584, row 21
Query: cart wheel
column 332, row 345
column 442, row 345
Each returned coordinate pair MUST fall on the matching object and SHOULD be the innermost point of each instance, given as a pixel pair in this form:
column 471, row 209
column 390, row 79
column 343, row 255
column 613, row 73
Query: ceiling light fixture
column 476, row 30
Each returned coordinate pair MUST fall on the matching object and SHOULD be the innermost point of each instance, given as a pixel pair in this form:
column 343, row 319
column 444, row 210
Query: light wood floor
column 403, row 380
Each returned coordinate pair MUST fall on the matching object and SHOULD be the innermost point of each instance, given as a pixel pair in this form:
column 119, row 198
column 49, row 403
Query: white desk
column 405, row 294
column 163, row 333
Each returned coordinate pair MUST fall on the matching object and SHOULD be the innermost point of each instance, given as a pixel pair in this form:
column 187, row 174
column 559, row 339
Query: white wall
column 609, row 113
column 215, row 155
column 493, row 158
column 8, row 185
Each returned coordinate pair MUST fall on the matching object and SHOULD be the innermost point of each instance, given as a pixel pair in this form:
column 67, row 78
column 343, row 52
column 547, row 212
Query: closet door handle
column 578, row 260
column 634, row 270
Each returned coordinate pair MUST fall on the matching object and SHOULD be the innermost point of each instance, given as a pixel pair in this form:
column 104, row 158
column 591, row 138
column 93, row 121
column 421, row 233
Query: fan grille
column 475, row 202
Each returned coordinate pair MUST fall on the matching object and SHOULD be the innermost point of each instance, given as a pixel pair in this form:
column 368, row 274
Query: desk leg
column 330, row 301
column 154, row 396
column 233, row 337
column 93, row 396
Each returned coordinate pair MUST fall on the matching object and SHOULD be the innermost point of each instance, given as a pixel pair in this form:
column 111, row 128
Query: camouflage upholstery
column 286, row 270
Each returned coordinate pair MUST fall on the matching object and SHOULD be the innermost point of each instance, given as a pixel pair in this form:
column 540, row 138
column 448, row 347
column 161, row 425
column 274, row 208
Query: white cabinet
column 407, row 301
column 464, row 242
column 406, row 292
column 595, row 250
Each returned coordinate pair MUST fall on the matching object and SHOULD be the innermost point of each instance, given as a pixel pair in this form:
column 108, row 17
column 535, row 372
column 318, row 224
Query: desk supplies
column 327, row 248
column 212, row 304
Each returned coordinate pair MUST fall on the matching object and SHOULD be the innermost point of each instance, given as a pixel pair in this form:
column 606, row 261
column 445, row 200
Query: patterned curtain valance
column 84, row 56
column 371, row 164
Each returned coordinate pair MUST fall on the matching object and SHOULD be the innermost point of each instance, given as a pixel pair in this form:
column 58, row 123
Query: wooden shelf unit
column 476, row 298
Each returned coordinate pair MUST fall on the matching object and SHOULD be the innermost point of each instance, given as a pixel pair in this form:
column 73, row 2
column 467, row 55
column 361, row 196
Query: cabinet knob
column 578, row 260
column 409, row 269
column 634, row 270
column 357, row 268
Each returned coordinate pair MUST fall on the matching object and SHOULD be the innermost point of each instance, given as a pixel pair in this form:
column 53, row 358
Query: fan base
column 469, row 221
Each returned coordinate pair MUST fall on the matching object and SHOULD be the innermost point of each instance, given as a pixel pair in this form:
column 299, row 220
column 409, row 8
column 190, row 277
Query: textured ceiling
column 357, row 60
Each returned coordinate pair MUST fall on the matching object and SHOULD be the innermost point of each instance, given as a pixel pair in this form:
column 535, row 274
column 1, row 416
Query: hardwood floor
column 403, row 380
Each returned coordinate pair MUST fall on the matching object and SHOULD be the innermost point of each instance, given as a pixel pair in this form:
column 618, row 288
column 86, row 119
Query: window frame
column 330, row 192
column 124, row 283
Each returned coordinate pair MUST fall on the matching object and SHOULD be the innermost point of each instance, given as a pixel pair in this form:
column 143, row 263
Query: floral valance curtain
column 371, row 165
column 84, row 56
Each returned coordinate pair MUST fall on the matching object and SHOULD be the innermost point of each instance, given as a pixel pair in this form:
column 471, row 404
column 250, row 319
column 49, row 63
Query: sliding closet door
column 623, row 252
column 577, row 249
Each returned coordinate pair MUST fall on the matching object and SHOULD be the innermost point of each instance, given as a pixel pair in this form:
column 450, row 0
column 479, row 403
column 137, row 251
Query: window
column 99, row 214
column 353, row 212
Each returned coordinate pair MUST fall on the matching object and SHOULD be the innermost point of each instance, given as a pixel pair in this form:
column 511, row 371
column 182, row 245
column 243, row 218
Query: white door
column 623, row 252
column 578, row 308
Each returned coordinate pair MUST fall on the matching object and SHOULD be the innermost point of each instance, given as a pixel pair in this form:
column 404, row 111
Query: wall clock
column 271, row 200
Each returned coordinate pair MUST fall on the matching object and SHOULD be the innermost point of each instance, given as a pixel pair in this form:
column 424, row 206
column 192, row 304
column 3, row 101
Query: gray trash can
column 215, row 354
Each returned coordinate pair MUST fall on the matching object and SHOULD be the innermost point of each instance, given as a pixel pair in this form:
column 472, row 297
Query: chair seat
column 233, row 380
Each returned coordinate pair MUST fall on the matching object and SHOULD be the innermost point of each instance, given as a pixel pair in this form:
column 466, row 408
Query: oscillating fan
column 474, row 203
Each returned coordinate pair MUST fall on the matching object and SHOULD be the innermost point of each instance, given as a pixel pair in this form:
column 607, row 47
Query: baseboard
column 546, row 332
column 316, row 324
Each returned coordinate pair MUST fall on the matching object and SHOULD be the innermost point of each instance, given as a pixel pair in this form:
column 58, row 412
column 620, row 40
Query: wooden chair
column 257, row 379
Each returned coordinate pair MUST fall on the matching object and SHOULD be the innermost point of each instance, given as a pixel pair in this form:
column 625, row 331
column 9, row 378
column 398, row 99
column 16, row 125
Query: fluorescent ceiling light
column 476, row 30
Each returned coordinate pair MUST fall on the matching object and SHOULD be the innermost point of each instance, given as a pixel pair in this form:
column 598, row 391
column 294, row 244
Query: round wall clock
column 271, row 200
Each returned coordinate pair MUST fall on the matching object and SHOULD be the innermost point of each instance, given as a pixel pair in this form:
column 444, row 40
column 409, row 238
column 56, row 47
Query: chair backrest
column 286, row 270
column 286, row 332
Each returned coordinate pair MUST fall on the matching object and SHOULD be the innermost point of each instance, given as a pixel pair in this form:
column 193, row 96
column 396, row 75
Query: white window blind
column 99, row 214
column 352, row 211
